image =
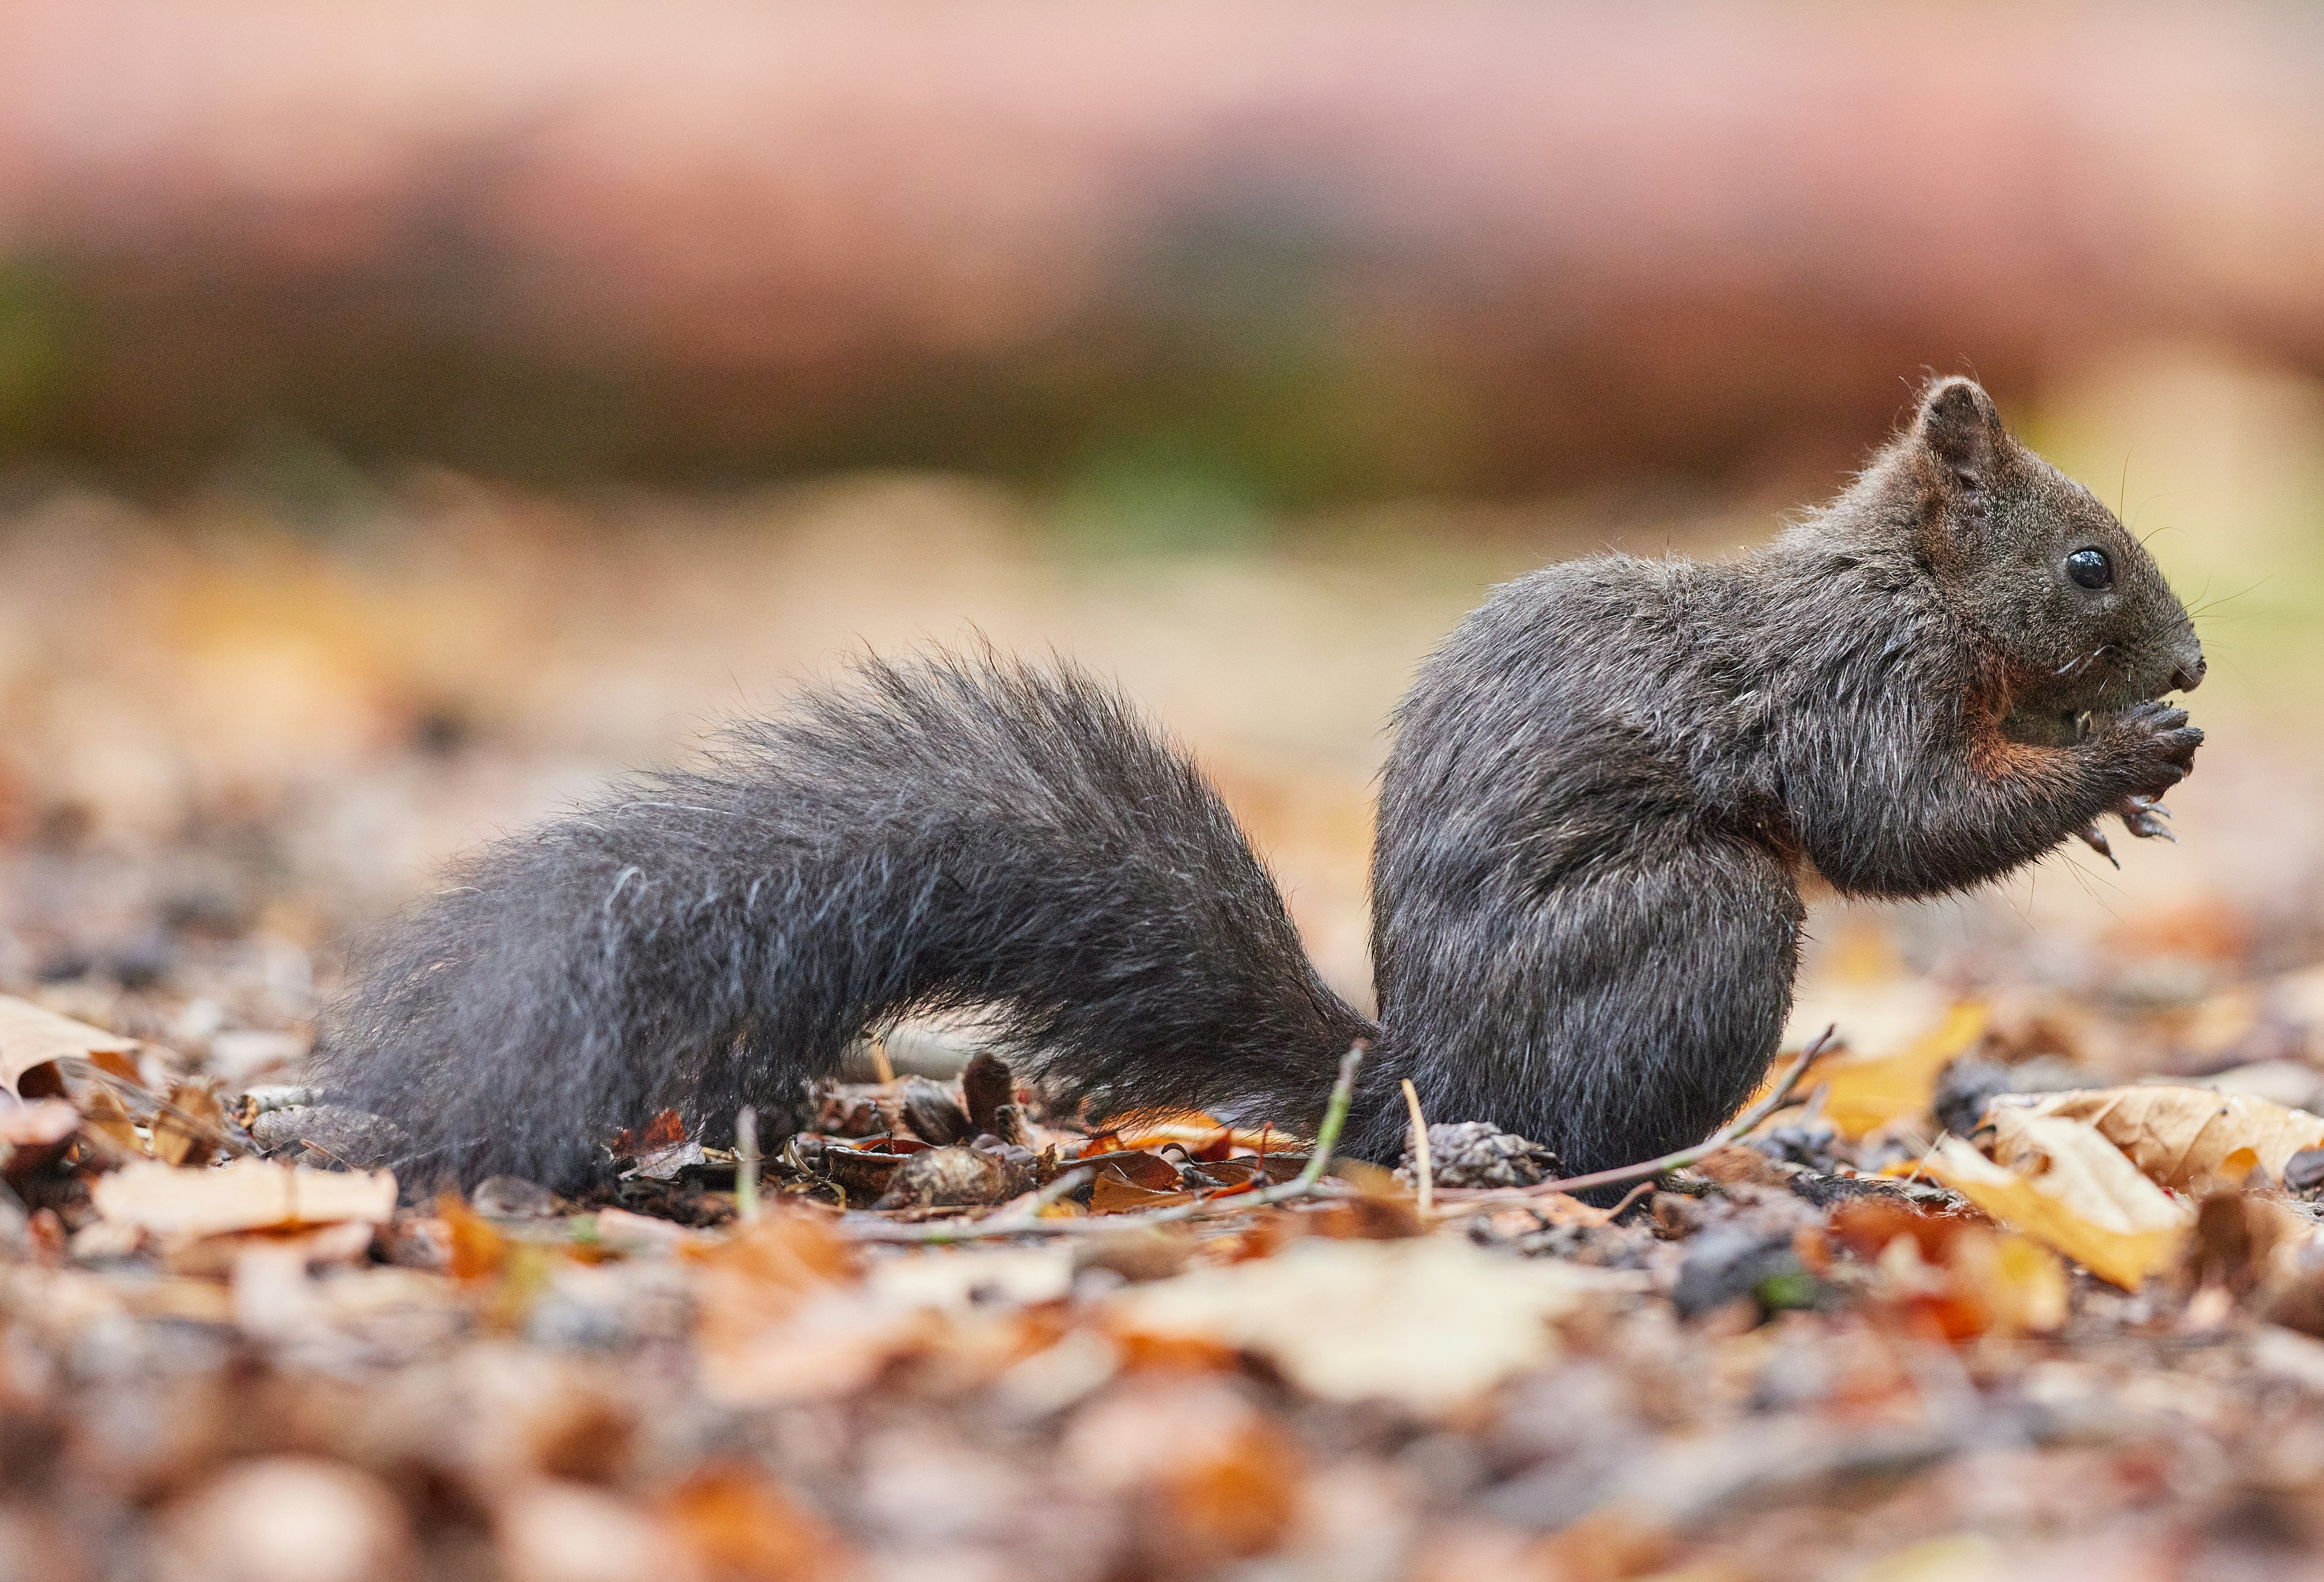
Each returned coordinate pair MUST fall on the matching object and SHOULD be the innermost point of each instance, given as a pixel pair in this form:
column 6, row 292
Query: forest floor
column 2025, row 1278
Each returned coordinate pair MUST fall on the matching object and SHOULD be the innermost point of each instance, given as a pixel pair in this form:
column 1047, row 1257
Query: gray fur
column 1586, row 909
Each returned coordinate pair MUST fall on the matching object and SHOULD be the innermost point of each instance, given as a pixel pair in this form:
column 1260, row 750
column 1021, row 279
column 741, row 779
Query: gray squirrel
column 1604, row 791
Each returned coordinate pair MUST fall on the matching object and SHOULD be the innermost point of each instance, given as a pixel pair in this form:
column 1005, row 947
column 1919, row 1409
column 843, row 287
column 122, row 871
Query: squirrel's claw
column 2090, row 835
column 2143, row 816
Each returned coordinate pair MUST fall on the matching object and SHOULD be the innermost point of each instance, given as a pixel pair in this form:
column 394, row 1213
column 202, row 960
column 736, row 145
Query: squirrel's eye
column 2090, row 568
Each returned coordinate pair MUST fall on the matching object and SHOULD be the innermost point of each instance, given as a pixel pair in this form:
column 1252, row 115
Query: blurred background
column 410, row 412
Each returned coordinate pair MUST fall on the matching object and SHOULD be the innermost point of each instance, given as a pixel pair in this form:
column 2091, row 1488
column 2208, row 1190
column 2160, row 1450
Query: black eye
column 2090, row 568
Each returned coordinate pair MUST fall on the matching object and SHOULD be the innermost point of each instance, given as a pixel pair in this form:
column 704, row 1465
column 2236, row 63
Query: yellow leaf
column 1863, row 1094
column 2107, row 1217
column 2186, row 1138
column 2021, row 1282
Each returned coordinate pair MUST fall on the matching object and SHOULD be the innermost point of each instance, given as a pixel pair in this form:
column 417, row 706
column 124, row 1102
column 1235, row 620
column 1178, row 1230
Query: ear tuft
column 1960, row 428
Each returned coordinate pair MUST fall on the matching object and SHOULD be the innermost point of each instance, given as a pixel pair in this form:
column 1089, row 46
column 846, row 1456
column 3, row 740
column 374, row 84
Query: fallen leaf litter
column 1834, row 1349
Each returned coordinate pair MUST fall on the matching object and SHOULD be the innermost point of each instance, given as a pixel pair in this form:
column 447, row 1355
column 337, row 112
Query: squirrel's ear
column 1961, row 430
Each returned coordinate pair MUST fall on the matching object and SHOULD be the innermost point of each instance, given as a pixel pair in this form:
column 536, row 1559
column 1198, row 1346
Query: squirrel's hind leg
column 1624, row 1013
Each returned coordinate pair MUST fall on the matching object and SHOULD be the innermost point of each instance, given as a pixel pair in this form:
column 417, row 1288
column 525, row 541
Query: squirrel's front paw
column 2146, row 818
column 2156, row 747
column 2142, row 815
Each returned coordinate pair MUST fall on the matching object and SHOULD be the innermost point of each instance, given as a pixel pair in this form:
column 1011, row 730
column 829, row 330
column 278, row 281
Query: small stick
column 1740, row 1126
column 1420, row 1151
column 881, row 1067
column 1306, row 1183
column 746, row 1173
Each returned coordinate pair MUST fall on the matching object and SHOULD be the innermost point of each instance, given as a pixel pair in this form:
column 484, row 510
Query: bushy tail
column 946, row 833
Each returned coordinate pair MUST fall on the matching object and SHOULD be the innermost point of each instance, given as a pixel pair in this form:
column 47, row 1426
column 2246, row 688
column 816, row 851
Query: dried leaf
column 1112, row 1195
column 106, row 1116
column 780, row 1315
column 552, row 1531
column 667, row 1129
column 959, row 1278
column 783, row 1255
column 2104, row 1216
column 248, row 1194
column 2185, row 1138
column 1150, row 1172
column 41, row 1122
column 1430, row 1322
column 1865, row 1093
column 478, row 1249
column 740, row 1525
column 190, row 1135
column 31, row 1037
column 347, row 1524
column 33, row 1135
column 930, row 1112
column 987, row 1087
column 1215, row 1479
column 1132, row 1179
column 2019, row 1282
column 668, row 1164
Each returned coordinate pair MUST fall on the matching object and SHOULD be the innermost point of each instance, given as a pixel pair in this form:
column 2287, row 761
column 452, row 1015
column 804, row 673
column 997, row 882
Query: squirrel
column 1604, row 792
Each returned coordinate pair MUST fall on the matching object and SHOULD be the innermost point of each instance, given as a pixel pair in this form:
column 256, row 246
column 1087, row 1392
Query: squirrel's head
column 2079, row 611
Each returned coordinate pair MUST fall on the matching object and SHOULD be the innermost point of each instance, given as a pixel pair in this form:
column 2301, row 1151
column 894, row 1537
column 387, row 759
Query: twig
column 1420, row 1161
column 1305, row 1184
column 746, row 1166
column 1740, row 1126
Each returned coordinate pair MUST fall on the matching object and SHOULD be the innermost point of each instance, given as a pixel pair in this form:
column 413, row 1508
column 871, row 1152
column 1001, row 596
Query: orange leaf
column 740, row 1526
column 478, row 1250
column 1863, row 1095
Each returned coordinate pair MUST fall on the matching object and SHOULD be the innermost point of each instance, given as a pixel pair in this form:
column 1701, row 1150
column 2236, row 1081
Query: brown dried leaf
column 930, row 1113
column 1113, row 1194
column 33, row 1135
column 1150, row 1172
column 31, row 1037
column 190, row 1135
column 106, row 1116
column 989, row 1089
column 2185, row 1138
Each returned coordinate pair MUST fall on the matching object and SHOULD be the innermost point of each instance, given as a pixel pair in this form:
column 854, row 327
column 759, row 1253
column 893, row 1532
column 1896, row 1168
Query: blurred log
column 1322, row 249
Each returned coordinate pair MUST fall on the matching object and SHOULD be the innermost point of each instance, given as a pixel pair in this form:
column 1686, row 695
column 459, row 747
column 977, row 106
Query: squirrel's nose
column 2189, row 676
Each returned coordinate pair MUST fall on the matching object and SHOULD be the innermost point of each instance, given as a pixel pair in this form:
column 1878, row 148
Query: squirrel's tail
column 946, row 834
